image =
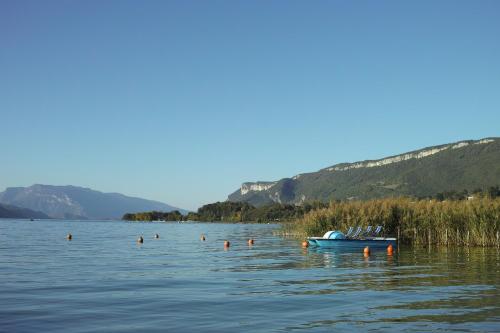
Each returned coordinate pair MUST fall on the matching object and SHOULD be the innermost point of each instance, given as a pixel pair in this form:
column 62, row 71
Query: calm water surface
column 102, row 281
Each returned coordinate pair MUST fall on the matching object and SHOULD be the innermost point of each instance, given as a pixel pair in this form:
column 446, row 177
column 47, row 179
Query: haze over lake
column 103, row 280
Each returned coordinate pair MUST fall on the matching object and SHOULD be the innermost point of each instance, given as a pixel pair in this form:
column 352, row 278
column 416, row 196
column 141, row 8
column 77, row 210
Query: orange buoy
column 250, row 241
column 140, row 240
column 69, row 237
column 366, row 251
column 202, row 237
column 227, row 243
column 305, row 244
column 389, row 250
column 157, row 236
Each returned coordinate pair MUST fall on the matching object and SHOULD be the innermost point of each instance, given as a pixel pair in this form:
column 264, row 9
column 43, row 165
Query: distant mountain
column 7, row 211
column 471, row 164
column 72, row 202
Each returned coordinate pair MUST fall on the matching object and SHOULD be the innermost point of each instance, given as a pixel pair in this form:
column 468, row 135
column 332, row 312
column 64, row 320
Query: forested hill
column 465, row 165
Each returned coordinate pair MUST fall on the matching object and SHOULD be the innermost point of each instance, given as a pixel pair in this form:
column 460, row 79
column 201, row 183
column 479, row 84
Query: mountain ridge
column 473, row 164
column 74, row 202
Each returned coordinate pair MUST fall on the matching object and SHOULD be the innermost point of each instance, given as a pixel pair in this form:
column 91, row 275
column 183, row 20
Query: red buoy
column 389, row 250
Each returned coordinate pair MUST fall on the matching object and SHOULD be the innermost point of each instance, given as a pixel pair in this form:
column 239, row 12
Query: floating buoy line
column 251, row 241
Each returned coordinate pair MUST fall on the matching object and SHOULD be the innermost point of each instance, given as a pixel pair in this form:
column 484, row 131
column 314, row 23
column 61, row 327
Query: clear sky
column 182, row 101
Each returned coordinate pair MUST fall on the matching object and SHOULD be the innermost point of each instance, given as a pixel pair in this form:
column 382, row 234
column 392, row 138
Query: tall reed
column 423, row 222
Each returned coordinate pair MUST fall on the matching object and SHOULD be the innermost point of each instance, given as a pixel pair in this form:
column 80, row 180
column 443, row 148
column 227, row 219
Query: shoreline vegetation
column 228, row 211
column 452, row 218
column 423, row 222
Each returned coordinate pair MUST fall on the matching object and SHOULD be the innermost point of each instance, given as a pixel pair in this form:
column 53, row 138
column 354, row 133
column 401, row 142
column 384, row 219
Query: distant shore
column 473, row 222
column 228, row 211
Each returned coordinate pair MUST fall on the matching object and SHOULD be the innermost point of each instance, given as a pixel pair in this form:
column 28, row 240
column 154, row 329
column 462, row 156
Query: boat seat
column 377, row 231
column 356, row 234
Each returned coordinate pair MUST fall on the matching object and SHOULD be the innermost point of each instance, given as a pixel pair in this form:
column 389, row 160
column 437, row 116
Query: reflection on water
column 103, row 281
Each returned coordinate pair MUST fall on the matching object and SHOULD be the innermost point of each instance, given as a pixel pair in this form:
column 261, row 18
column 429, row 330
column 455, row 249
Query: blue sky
column 181, row 101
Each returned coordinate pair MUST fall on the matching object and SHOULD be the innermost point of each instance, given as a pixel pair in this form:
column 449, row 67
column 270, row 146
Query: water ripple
column 103, row 281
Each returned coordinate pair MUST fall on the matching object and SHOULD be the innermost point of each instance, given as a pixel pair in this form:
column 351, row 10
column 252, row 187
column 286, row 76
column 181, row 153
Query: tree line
column 490, row 192
column 229, row 211
column 153, row 216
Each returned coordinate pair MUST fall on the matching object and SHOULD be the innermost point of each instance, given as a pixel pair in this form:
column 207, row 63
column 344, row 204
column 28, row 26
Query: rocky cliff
column 462, row 165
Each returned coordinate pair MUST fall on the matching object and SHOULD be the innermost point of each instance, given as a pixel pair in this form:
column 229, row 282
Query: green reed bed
column 423, row 222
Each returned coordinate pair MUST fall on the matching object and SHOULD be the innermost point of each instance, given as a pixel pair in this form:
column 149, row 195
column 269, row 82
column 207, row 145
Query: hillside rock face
column 470, row 165
column 255, row 187
column 72, row 202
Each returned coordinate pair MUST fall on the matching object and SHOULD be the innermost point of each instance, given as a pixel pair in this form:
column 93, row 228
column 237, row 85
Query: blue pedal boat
column 337, row 239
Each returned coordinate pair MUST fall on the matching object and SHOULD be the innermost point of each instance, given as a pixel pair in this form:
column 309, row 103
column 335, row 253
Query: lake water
column 103, row 281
